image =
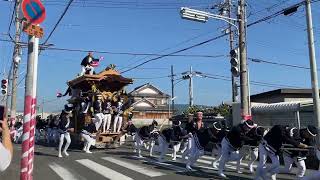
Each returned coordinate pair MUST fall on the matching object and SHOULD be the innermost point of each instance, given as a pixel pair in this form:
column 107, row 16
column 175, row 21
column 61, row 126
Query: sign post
column 34, row 12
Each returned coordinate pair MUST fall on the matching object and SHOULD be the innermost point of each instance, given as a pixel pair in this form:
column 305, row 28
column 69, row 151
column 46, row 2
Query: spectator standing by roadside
column 6, row 149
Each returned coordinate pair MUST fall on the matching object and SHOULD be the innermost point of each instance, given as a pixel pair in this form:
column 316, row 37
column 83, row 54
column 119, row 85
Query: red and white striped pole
column 29, row 121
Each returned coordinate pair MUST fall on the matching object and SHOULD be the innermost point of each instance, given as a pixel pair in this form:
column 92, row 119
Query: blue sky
column 142, row 26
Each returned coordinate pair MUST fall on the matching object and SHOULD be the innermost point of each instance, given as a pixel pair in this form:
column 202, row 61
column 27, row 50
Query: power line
column 56, row 25
column 11, row 19
column 175, row 52
column 257, row 60
column 258, row 83
column 159, row 77
column 218, row 37
column 131, row 53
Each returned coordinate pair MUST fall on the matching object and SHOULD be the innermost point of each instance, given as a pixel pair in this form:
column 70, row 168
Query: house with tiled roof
column 149, row 103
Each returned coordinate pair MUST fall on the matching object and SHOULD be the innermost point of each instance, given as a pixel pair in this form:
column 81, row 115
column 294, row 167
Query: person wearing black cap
column 117, row 124
column 192, row 127
column 143, row 134
column 172, row 135
column 87, row 133
column 270, row 146
column 201, row 139
column 86, row 64
column 64, row 127
column 305, row 136
column 107, row 114
column 232, row 143
column 221, row 132
column 256, row 134
column 98, row 115
column 189, row 127
column 128, row 128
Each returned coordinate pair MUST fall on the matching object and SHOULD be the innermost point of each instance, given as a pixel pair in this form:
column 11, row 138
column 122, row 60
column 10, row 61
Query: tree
column 223, row 109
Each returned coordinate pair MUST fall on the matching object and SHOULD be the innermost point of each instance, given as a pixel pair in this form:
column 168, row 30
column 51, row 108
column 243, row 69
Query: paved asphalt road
column 114, row 164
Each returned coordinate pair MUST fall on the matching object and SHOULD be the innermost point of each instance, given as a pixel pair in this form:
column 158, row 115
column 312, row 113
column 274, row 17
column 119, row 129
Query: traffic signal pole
column 245, row 109
column 313, row 65
column 233, row 83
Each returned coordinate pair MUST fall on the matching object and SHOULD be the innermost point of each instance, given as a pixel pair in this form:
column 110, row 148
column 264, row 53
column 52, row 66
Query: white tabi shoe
column 89, row 152
column 65, row 152
column 189, row 168
column 60, row 156
column 222, row 175
column 251, row 169
column 214, row 165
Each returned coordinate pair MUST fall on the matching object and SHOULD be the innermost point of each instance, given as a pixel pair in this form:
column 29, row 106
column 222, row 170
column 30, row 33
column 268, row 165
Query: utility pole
column 172, row 88
column 245, row 109
column 191, row 88
column 233, row 83
column 16, row 60
column 313, row 65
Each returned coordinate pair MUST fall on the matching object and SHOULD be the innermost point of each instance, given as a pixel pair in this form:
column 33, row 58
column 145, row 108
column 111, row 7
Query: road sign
column 33, row 11
column 32, row 30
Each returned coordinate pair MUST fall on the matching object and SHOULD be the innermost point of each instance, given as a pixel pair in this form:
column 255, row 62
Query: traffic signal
column 4, row 86
column 234, row 61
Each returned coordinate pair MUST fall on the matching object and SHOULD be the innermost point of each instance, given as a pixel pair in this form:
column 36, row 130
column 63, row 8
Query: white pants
column 18, row 135
column 88, row 141
column 262, row 170
column 184, row 146
column 98, row 118
column 85, row 68
column 288, row 161
column 253, row 157
column 68, row 142
column 176, row 148
column 194, row 154
column 189, row 146
column 106, row 122
column 228, row 154
column 117, row 121
column 152, row 143
column 138, row 144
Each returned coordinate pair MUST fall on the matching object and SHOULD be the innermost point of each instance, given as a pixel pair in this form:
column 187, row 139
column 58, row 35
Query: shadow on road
column 44, row 154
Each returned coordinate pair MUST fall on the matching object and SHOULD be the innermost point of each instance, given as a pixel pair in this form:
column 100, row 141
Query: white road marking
column 62, row 172
column 102, row 170
column 140, row 169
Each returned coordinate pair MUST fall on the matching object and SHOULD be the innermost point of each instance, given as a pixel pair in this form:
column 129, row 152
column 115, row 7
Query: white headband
column 248, row 125
column 311, row 133
column 214, row 125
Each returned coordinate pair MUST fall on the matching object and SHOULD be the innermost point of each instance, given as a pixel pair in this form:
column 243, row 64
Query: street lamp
column 201, row 16
column 187, row 13
column 169, row 100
